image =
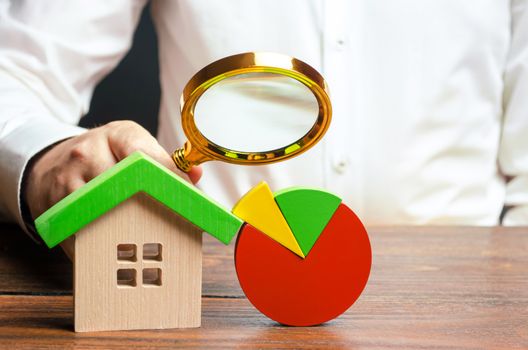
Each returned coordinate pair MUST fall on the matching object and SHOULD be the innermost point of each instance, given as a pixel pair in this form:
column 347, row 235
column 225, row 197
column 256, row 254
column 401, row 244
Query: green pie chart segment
column 307, row 211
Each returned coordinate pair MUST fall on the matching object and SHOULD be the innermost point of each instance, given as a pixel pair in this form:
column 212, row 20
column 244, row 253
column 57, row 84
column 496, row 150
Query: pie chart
column 303, row 257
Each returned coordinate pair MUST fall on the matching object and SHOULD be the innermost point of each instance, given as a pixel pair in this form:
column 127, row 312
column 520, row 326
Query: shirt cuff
column 16, row 150
column 516, row 216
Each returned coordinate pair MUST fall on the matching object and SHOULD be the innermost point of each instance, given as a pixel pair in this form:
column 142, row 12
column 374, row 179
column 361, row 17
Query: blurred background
column 132, row 90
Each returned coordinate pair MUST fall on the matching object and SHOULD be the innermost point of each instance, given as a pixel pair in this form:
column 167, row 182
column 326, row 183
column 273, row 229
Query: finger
column 63, row 186
column 195, row 174
column 90, row 156
column 161, row 155
column 127, row 137
column 102, row 160
column 74, row 184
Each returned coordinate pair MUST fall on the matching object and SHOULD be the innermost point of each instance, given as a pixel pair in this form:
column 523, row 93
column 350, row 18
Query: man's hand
column 70, row 164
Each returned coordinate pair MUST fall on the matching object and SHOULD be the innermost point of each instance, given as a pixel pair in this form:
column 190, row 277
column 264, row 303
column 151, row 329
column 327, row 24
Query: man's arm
column 513, row 156
column 52, row 54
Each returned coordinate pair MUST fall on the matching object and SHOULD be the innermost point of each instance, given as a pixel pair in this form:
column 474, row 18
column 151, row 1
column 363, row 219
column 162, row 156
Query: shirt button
column 340, row 44
column 340, row 166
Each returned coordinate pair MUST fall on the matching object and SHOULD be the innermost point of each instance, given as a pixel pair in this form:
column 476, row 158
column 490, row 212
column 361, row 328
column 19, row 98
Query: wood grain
column 101, row 304
column 430, row 288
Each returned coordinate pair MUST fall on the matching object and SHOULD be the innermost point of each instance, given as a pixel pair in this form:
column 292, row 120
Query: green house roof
column 136, row 173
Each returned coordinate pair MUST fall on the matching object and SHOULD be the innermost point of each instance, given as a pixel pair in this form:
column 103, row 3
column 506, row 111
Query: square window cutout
column 152, row 251
column 126, row 277
column 126, row 252
column 152, row 277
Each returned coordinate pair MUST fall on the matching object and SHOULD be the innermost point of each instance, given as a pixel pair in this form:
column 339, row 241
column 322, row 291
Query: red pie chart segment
column 304, row 292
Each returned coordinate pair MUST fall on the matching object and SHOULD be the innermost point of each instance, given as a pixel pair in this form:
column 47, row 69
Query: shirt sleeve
column 513, row 154
column 52, row 54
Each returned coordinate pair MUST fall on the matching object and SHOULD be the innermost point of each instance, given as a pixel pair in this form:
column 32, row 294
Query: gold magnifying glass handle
column 187, row 157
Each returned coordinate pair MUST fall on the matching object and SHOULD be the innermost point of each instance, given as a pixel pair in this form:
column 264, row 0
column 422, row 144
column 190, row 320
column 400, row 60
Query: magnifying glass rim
column 254, row 62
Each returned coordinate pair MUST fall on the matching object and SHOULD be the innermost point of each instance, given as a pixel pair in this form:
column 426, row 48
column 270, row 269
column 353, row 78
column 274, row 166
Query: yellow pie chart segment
column 259, row 209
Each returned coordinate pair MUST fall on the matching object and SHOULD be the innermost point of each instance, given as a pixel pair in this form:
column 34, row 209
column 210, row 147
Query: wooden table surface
column 430, row 288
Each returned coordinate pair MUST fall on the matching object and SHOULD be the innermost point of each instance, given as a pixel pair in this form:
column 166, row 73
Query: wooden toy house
column 138, row 256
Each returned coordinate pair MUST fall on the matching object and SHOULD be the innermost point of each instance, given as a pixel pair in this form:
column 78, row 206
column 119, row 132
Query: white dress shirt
column 429, row 97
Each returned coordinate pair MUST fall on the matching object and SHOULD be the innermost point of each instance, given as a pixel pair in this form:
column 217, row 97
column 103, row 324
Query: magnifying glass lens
column 256, row 112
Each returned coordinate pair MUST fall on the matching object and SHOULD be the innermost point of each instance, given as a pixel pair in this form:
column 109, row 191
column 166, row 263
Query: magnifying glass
column 252, row 108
